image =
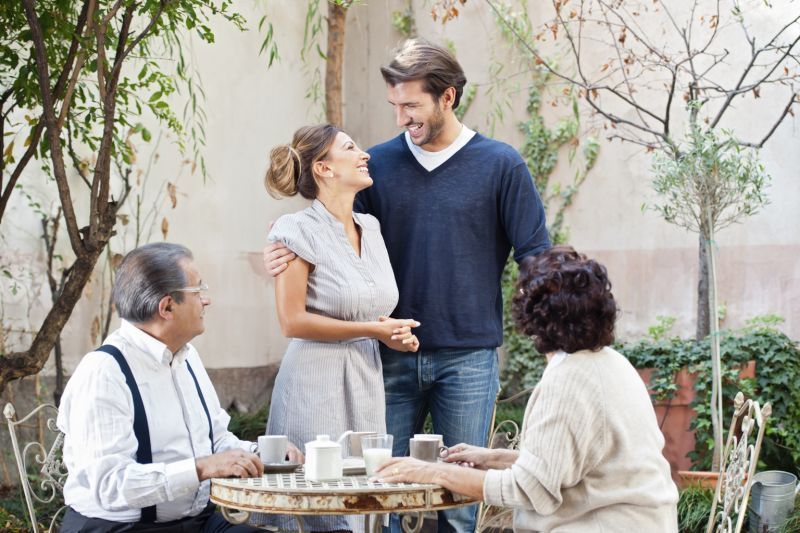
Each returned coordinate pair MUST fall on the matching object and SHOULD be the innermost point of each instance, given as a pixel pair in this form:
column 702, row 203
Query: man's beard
column 435, row 127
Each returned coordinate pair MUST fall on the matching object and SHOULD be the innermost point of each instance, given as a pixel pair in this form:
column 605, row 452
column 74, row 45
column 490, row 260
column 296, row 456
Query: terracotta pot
column 706, row 480
column 675, row 415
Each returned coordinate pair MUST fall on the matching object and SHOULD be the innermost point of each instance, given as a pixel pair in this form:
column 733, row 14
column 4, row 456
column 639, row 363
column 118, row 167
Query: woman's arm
column 463, row 480
column 291, row 288
column 482, row 458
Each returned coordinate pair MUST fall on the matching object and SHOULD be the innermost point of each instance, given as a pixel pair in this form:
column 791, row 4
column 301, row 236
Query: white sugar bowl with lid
column 323, row 459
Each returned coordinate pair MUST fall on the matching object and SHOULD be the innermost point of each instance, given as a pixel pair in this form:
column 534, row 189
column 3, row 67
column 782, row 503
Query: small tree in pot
column 711, row 184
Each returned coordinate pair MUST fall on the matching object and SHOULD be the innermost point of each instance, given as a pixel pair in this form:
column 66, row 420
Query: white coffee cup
column 272, row 448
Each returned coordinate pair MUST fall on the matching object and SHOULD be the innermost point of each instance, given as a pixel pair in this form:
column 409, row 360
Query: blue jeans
column 458, row 388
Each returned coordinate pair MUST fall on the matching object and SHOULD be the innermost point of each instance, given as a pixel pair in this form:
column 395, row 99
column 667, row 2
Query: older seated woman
column 590, row 456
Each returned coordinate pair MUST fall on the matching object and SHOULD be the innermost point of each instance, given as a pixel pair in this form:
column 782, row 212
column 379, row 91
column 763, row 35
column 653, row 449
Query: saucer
column 281, row 467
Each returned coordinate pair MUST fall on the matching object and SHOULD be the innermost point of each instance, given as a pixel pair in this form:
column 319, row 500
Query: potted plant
column 710, row 183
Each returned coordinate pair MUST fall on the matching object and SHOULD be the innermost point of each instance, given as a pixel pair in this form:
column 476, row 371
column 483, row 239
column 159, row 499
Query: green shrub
column 523, row 365
column 249, row 425
column 9, row 523
column 14, row 513
column 694, row 507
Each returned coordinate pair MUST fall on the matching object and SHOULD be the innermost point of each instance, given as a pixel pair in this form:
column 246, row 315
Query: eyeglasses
column 201, row 289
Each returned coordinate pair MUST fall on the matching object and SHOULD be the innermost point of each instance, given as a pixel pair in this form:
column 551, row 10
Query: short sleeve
column 295, row 235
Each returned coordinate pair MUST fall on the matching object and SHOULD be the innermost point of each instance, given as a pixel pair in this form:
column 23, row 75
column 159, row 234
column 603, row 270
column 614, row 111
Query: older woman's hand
column 406, row 470
column 481, row 458
column 467, row 481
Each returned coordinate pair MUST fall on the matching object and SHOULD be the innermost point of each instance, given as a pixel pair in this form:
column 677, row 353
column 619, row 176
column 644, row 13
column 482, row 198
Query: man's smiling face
column 417, row 111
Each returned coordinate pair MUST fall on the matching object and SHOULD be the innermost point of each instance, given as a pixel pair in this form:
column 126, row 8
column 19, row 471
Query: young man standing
column 452, row 204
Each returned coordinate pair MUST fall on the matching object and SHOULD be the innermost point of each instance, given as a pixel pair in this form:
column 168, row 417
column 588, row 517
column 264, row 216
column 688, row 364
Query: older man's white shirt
column 96, row 415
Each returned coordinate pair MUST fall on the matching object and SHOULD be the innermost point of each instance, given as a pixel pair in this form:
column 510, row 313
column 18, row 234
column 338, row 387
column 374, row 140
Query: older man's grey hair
column 145, row 276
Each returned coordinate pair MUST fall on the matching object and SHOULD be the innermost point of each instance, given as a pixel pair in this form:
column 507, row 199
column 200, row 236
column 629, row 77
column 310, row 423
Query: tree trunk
column 59, row 390
column 703, row 316
column 716, row 362
column 21, row 364
column 337, row 13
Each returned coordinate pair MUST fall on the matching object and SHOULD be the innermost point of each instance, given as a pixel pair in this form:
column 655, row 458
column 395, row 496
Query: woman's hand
column 480, row 458
column 406, row 470
column 294, row 454
column 396, row 333
column 467, row 481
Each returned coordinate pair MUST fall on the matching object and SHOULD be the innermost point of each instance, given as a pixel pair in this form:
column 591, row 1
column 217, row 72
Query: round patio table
column 292, row 494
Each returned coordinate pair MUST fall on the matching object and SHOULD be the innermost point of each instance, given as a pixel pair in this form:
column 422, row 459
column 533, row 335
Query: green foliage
column 712, row 184
column 792, row 524
column 10, row 523
column 777, row 373
column 523, row 365
column 777, row 361
column 269, row 44
column 14, row 513
column 146, row 86
column 249, row 425
column 694, row 506
column 404, row 21
column 512, row 411
column 466, row 101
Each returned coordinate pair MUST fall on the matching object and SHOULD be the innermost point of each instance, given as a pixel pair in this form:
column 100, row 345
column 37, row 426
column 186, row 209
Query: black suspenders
column 205, row 407
column 144, row 454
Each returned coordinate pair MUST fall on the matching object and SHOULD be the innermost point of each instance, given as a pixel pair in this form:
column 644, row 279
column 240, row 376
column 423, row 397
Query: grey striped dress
column 330, row 387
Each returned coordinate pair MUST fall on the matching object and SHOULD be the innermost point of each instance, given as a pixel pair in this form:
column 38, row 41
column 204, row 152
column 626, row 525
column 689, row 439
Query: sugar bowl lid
column 322, row 442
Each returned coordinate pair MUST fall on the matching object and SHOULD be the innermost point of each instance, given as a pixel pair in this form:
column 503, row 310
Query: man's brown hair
column 436, row 66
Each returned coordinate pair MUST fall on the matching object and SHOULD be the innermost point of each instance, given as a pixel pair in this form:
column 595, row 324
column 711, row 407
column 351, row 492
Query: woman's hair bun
column 283, row 172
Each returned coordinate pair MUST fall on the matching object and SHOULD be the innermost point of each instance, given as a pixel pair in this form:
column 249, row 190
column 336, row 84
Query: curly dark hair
column 564, row 302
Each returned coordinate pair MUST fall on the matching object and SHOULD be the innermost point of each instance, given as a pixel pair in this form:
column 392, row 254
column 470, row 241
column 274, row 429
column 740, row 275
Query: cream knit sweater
column 590, row 457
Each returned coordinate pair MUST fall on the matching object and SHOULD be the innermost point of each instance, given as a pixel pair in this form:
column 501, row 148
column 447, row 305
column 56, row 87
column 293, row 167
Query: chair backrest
column 41, row 470
column 739, row 462
column 502, row 434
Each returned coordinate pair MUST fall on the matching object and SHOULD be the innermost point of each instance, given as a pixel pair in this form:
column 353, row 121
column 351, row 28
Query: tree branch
column 793, row 100
column 161, row 6
column 102, row 169
column 100, row 36
column 626, row 81
column 76, row 162
column 51, row 126
column 37, row 130
column 753, row 58
column 81, row 59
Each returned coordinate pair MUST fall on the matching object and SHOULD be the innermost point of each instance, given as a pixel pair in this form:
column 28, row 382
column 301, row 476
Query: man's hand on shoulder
column 276, row 256
column 231, row 463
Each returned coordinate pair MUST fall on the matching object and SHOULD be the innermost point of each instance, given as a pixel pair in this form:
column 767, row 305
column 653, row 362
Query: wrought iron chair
column 506, row 434
column 41, row 470
column 738, row 467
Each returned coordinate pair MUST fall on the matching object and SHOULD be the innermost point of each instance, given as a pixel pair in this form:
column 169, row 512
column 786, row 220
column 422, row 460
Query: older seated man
column 144, row 429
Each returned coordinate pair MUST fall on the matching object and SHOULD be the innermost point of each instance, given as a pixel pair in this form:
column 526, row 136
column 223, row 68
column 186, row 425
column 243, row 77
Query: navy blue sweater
column 449, row 232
